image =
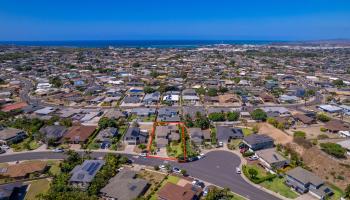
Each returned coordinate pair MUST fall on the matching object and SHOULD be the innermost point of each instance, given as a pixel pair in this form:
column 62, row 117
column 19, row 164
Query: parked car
column 220, row 144
column 143, row 154
column 162, row 167
column 58, row 150
column 5, row 147
column 198, row 183
column 2, row 151
column 176, row 170
column 205, row 191
column 193, row 159
column 254, row 157
column 238, row 170
column 200, row 156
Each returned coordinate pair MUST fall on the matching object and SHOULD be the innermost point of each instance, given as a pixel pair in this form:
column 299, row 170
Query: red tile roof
column 15, row 106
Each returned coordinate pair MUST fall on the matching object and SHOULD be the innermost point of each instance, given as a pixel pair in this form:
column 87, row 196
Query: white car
column 58, row 150
column 176, row 170
column 162, row 167
column 238, row 170
column 200, row 156
column 221, row 144
column 143, row 154
column 5, row 147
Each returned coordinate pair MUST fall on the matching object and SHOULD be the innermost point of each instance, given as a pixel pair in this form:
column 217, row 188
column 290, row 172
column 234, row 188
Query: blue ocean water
column 135, row 43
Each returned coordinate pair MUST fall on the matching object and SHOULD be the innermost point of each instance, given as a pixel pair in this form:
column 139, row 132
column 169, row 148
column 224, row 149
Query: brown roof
column 227, row 98
column 303, row 118
column 171, row 191
column 14, row 106
column 22, row 169
column 337, row 125
column 79, row 133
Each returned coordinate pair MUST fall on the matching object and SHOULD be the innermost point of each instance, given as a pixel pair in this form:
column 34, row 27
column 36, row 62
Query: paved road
column 218, row 167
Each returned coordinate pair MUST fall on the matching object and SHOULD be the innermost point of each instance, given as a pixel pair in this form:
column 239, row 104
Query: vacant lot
column 312, row 132
column 329, row 169
column 154, row 178
column 279, row 136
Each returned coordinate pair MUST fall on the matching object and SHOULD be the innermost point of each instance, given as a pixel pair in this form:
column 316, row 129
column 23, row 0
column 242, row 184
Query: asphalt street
column 217, row 167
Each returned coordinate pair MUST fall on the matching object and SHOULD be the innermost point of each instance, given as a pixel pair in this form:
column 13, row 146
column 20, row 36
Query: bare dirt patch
column 329, row 169
column 279, row 136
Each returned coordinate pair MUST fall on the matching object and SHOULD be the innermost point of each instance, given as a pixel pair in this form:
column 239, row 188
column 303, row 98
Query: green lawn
column 151, row 118
column 261, row 172
column 131, row 118
column 55, row 168
column 277, row 185
column 247, row 131
column 37, row 187
column 338, row 193
column 234, row 144
column 175, row 149
column 26, row 144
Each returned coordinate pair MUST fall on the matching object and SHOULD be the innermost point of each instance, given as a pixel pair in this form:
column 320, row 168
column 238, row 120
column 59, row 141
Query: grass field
column 37, row 187
column 277, row 185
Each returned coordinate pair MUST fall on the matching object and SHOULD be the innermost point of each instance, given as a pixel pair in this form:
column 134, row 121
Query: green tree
column 252, row 173
column 323, row 117
column 56, row 82
column 105, row 122
column 222, row 194
column 217, row 117
column 338, row 83
column 212, row 92
column 223, row 89
column 200, row 91
column 232, row 116
column 148, row 90
column 66, row 122
column 259, row 114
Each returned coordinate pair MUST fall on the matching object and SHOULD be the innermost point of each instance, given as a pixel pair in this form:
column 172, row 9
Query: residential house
column 134, row 136
column 11, row 135
column 276, row 111
column 23, row 170
column 171, row 191
column 168, row 114
column 105, row 136
column 79, row 134
column 152, row 98
column 190, row 96
column 13, row 107
column 82, row 175
column 225, row 133
column 198, row 136
column 304, row 119
column 143, row 112
column 271, row 159
column 192, row 111
column 166, row 134
column 124, row 186
column 13, row 190
column 53, row 133
column 335, row 126
column 304, row 181
column 258, row 142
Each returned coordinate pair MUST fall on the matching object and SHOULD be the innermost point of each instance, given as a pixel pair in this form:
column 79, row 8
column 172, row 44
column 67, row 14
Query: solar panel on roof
column 80, row 176
column 87, row 166
column 94, row 168
column 91, row 167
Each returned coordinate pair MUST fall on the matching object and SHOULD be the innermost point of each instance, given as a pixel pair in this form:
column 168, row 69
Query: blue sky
column 174, row 19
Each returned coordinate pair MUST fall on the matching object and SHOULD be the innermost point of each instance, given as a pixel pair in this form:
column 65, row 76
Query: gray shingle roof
column 85, row 172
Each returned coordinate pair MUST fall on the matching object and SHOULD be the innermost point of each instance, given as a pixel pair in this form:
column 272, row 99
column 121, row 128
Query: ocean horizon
column 137, row 43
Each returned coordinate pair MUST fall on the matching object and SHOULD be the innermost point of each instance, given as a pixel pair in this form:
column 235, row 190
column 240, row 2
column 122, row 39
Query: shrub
column 322, row 136
column 232, row 116
column 322, row 117
column 248, row 153
column 259, row 114
column 299, row 134
column 217, row 117
column 323, row 129
column 333, row 149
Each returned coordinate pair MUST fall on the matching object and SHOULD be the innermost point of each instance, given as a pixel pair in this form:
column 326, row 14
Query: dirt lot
column 326, row 167
column 279, row 136
column 312, row 131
